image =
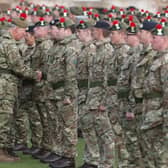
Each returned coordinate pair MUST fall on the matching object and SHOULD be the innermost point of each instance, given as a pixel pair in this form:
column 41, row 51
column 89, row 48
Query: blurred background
column 151, row 5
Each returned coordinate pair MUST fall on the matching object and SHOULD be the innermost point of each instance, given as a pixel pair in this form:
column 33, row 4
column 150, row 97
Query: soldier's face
column 115, row 37
column 41, row 32
column 18, row 33
column 133, row 40
column 54, row 32
column 96, row 33
column 158, row 42
column 83, row 35
column 63, row 33
column 145, row 37
column 30, row 40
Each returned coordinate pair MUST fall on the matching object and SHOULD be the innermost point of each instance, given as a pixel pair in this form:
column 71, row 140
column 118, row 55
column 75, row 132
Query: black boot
column 31, row 151
column 86, row 165
column 35, row 154
column 20, row 147
column 42, row 155
column 51, row 158
column 12, row 153
column 63, row 163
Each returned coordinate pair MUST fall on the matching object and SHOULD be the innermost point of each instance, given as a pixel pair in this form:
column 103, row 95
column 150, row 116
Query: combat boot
column 51, row 158
column 4, row 157
column 86, row 165
column 20, row 147
column 12, row 153
column 63, row 163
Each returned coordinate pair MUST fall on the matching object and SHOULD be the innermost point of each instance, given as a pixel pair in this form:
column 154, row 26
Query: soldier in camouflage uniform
column 54, row 95
column 91, row 153
column 154, row 121
column 39, row 59
column 20, row 123
column 62, row 76
column 138, row 76
column 96, row 119
column 115, row 63
column 129, row 119
column 26, row 107
column 12, row 68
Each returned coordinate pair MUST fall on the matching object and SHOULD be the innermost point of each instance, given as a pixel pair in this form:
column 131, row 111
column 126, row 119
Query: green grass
column 29, row 162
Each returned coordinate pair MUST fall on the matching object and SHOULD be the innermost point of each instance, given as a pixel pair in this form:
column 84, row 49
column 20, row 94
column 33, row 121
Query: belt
column 138, row 100
column 58, row 85
column 83, row 83
column 6, row 71
column 112, row 82
column 96, row 84
column 153, row 95
column 123, row 93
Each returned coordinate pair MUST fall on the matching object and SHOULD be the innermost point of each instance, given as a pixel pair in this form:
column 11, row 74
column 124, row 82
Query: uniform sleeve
column 16, row 63
column 164, row 81
column 70, row 73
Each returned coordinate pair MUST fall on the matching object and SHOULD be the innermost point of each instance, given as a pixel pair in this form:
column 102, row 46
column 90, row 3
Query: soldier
column 39, row 59
column 21, row 134
column 129, row 120
column 118, row 40
column 62, row 76
column 138, row 76
column 91, row 153
column 53, row 101
column 154, row 121
column 26, row 105
column 12, row 68
column 97, row 119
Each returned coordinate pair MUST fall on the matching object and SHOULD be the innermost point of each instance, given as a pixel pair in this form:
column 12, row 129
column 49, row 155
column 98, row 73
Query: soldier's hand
column 102, row 108
column 130, row 116
column 39, row 75
column 67, row 101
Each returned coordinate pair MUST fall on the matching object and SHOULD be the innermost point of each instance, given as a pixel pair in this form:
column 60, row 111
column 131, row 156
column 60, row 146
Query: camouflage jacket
column 63, row 65
column 155, row 90
column 82, row 70
column 11, row 62
column 125, row 76
column 98, row 66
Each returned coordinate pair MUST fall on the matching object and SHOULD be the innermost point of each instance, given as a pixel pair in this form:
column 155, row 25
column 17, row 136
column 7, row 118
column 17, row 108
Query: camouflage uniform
column 20, row 117
column 62, row 77
column 154, row 121
column 97, row 120
column 39, row 61
column 127, row 106
column 114, row 69
column 91, row 152
column 27, row 108
column 12, row 68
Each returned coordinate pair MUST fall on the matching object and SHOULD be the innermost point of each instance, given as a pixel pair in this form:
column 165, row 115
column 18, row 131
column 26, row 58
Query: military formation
column 101, row 70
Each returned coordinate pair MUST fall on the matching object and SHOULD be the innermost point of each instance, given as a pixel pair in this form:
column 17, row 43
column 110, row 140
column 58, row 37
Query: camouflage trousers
column 97, row 123
column 63, row 123
column 91, row 151
column 132, row 135
column 27, row 117
column 121, row 153
column 155, row 133
column 8, row 96
column 55, row 124
column 39, row 98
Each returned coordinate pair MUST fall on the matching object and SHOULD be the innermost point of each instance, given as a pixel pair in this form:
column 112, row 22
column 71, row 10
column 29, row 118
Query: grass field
column 28, row 162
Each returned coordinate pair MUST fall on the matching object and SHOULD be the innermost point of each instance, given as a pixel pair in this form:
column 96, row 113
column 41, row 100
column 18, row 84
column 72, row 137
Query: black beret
column 148, row 25
column 54, row 22
column 30, row 29
column 102, row 25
